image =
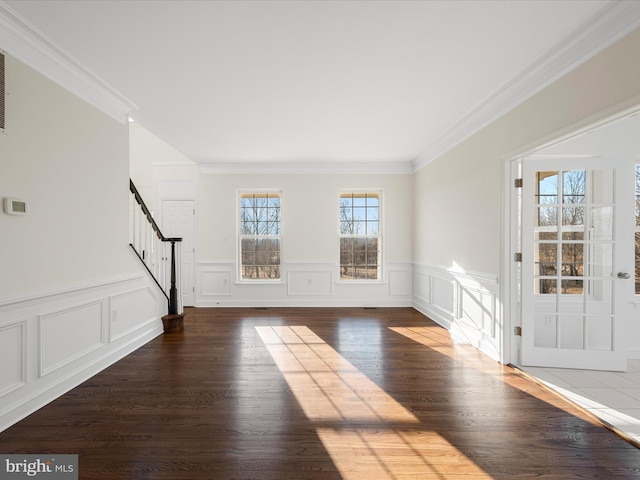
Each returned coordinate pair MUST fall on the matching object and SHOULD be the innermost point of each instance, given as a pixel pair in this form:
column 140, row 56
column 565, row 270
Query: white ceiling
column 320, row 82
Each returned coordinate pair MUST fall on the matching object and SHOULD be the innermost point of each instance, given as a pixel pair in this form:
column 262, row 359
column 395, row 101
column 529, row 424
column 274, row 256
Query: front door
column 577, row 262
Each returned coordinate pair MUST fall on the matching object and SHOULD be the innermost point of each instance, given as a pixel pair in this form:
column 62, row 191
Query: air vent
column 1, row 91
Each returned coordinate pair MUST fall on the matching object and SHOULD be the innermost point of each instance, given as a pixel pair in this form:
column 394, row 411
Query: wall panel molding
column 310, row 281
column 400, row 281
column 304, row 284
column 466, row 303
column 131, row 311
column 82, row 323
column 13, row 357
column 51, row 341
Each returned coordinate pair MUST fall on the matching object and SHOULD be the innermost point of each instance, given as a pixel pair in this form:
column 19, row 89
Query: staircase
column 160, row 256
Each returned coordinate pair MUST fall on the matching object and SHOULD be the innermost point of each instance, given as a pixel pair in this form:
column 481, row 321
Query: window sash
column 259, row 237
column 359, row 234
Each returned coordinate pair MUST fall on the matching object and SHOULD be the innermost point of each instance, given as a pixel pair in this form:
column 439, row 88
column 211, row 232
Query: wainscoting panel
column 422, row 287
column 131, row 311
column 444, row 293
column 52, row 341
column 303, row 284
column 83, row 324
column 215, row 283
column 310, row 282
column 466, row 303
column 13, row 373
column 477, row 309
column 400, row 284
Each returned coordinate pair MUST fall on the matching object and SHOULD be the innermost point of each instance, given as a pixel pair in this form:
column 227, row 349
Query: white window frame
column 240, row 236
column 379, row 236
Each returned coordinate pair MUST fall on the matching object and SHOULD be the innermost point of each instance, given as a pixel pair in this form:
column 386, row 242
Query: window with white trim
column 360, row 236
column 259, row 236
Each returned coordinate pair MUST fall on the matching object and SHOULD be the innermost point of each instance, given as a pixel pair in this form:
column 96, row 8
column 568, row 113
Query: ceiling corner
column 607, row 26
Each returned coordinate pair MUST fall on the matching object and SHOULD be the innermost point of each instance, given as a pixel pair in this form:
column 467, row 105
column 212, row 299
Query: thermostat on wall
column 14, row 206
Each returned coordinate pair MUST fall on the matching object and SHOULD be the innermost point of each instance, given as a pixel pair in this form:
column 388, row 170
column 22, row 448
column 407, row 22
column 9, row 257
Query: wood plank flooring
column 318, row 394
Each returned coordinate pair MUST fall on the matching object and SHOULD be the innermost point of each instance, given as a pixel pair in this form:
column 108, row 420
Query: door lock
column 624, row 275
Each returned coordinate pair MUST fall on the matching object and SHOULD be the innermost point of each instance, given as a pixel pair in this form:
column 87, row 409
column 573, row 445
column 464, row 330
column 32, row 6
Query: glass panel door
column 569, row 282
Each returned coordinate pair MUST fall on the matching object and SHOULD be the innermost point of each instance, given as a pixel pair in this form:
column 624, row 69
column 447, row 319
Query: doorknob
column 624, row 275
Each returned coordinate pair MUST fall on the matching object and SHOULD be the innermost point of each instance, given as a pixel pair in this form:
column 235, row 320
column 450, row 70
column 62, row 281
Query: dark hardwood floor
column 364, row 394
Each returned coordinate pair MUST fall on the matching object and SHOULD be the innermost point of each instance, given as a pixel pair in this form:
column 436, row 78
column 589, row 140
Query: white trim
column 71, row 290
column 283, row 168
column 24, row 41
column 606, row 27
column 509, row 306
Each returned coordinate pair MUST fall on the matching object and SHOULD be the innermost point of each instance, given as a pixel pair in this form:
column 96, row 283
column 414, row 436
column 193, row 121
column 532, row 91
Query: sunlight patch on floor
column 367, row 433
column 435, row 339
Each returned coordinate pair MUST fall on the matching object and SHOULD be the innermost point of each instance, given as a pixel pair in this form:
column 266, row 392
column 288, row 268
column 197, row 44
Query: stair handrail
column 174, row 305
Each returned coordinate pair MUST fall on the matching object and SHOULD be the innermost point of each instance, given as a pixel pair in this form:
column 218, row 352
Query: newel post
column 173, row 291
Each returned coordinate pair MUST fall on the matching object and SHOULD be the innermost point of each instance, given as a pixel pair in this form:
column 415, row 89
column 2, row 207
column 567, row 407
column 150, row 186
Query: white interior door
column 577, row 262
column 178, row 221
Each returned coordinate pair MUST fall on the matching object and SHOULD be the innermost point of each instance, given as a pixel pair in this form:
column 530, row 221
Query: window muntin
column 260, row 239
column 360, row 237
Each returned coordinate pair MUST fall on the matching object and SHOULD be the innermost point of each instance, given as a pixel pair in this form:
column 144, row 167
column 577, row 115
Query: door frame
column 510, row 284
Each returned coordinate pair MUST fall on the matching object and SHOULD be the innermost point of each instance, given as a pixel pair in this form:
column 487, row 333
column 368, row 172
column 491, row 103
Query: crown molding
column 25, row 42
column 606, row 27
column 327, row 168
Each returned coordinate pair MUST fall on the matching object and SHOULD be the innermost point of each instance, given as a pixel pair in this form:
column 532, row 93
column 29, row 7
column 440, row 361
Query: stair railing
column 159, row 254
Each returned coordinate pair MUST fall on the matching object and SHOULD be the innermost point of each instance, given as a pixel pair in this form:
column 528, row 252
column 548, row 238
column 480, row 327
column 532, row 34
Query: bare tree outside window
column 260, row 236
column 560, row 231
column 359, row 215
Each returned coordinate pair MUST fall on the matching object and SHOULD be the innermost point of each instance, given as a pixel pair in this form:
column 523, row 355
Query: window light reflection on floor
column 365, row 431
column 436, row 338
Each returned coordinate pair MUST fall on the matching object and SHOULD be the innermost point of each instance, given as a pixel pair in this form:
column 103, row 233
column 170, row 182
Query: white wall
column 73, row 298
column 152, row 162
column 70, row 163
column 458, row 196
column 310, row 249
